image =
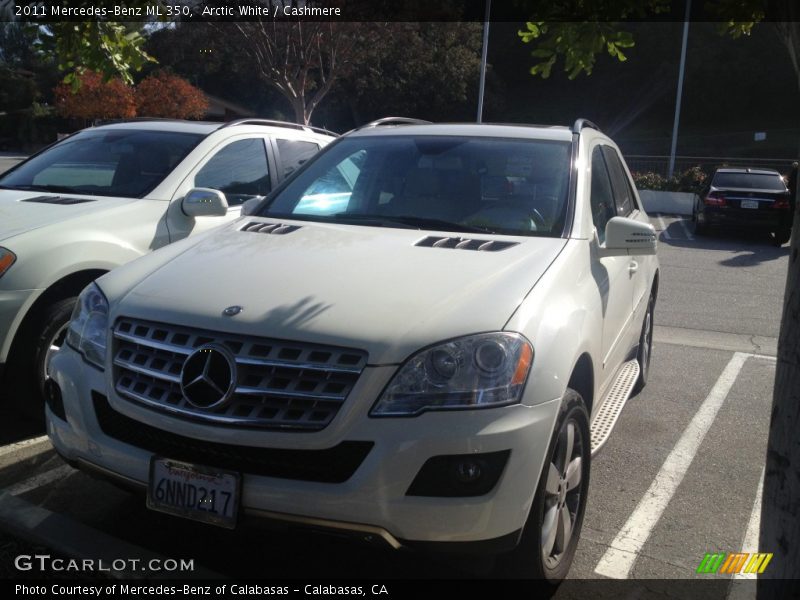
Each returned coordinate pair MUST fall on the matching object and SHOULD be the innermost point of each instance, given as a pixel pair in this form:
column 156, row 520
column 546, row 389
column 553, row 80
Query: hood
column 21, row 212
column 369, row 288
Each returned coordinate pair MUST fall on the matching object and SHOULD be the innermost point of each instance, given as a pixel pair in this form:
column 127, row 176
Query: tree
column 579, row 44
column 95, row 98
column 428, row 70
column 111, row 49
column 301, row 59
column 164, row 94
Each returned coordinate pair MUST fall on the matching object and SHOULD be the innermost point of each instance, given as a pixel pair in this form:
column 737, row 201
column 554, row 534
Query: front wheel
column 553, row 527
column 39, row 341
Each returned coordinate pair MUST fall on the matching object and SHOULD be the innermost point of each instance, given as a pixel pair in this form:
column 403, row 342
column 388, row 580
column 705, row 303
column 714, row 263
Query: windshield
column 514, row 187
column 115, row 162
column 754, row 181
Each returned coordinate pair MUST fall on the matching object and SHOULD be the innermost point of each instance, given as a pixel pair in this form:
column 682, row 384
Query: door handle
column 633, row 267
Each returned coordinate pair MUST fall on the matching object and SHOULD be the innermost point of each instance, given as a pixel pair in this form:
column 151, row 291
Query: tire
column 781, row 237
column 43, row 333
column 554, row 499
column 699, row 228
column 645, row 346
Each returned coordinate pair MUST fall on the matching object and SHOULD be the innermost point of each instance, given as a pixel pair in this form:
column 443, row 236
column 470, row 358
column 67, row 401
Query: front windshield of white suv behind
column 127, row 163
column 446, row 183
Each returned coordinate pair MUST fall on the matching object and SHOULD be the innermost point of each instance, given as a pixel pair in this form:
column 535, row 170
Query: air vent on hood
column 464, row 244
column 58, row 200
column 276, row 228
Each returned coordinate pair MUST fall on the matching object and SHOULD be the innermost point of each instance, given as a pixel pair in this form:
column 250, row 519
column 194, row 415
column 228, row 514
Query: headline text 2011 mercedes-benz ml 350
column 420, row 337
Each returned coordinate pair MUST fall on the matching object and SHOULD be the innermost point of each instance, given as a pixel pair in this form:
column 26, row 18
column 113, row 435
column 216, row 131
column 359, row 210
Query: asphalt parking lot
column 679, row 477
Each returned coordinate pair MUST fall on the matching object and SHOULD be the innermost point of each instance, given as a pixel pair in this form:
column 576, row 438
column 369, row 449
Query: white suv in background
column 419, row 339
column 109, row 194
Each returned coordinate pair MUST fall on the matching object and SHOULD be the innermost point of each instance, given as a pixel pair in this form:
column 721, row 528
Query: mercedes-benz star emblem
column 208, row 377
column 232, row 311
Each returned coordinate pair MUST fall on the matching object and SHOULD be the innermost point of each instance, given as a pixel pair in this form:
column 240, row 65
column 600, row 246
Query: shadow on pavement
column 13, row 426
column 751, row 248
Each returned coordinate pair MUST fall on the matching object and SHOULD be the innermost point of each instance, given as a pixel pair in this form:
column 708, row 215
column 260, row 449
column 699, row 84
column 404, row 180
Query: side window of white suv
column 622, row 187
column 294, row 153
column 602, row 195
column 239, row 171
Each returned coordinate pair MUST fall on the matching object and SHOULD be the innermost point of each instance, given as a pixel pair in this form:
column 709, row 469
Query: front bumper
column 373, row 500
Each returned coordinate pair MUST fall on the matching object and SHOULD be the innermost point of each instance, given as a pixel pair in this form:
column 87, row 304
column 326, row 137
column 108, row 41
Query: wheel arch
column 582, row 380
column 69, row 285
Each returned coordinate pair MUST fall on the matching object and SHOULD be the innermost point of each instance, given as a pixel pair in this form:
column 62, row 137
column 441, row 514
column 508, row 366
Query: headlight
column 479, row 371
column 89, row 325
column 7, row 258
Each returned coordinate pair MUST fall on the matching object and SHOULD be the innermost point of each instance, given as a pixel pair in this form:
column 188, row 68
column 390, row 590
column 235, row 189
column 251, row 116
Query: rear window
column 516, row 187
column 755, row 181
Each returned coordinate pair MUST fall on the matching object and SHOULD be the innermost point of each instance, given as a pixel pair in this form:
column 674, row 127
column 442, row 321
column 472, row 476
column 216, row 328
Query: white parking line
column 623, row 551
column 743, row 585
column 667, row 236
column 750, row 543
column 39, row 480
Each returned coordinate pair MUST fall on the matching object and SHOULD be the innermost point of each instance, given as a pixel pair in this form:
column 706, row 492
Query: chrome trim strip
column 255, row 391
column 264, row 362
column 326, row 523
column 155, row 374
column 135, row 339
column 176, row 411
column 244, row 360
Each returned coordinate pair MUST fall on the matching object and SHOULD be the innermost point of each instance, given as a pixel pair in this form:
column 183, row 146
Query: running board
column 605, row 419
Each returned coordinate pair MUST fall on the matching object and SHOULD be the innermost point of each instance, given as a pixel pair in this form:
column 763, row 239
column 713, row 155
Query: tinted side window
column 294, row 153
column 239, row 170
column 622, row 189
column 602, row 197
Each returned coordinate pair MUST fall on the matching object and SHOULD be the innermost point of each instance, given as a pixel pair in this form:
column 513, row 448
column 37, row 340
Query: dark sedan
column 746, row 198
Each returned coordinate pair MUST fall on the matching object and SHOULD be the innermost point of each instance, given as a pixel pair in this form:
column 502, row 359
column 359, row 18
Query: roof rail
column 386, row 121
column 99, row 122
column 583, row 123
column 275, row 123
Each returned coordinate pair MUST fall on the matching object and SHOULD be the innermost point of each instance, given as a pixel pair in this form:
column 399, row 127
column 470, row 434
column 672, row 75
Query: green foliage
column 691, row 180
column 112, row 49
column 580, row 42
column 17, row 89
column 746, row 14
column 420, row 69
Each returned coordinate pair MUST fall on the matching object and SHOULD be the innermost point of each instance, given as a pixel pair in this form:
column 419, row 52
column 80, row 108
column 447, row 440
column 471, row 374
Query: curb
column 18, row 451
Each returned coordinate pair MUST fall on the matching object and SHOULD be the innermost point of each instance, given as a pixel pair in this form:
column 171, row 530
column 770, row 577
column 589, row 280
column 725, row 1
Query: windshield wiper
column 412, row 222
column 58, row 189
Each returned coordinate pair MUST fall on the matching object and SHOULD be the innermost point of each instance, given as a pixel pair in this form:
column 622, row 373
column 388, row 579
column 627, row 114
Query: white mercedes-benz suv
column 419, row 338
column 107, row 195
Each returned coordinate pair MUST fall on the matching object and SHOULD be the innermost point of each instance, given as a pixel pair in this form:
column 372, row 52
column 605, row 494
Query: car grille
column 279, row 385
column 330, row 465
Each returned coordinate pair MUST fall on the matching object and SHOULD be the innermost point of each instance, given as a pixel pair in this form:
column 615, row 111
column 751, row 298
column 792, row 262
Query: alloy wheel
column 563, row 493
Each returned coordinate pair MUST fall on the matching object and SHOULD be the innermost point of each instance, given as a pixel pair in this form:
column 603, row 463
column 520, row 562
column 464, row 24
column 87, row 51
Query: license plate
column 193, row 492
column 749, row 204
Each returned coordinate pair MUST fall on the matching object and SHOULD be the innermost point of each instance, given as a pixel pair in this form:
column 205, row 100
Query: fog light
column 459, row 475
column 467, row 471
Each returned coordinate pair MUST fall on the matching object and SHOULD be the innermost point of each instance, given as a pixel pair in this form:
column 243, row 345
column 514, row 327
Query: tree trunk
column 780, row 509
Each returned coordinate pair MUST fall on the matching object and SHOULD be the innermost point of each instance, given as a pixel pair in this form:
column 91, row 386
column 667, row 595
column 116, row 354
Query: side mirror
column 204, row 202
column 626, row 237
